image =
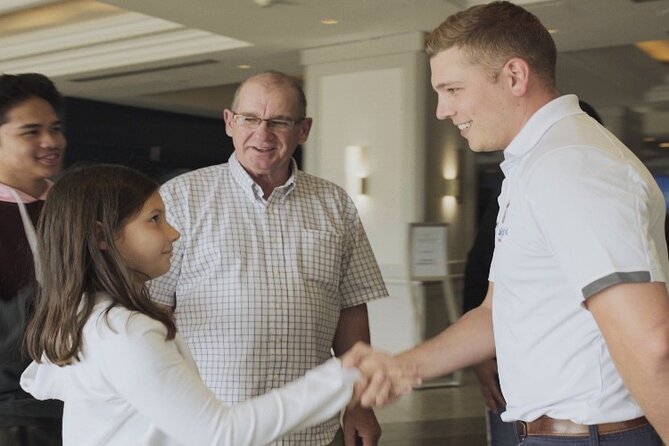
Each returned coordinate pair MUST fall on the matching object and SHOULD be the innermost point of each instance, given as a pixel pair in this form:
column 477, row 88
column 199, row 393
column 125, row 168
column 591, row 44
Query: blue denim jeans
column 501, row 433
column 641, row 436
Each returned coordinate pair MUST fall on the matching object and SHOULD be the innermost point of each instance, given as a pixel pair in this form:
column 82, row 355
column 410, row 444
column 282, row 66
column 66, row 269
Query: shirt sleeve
column 153, row 376
column 595, row 221
column 361, row 279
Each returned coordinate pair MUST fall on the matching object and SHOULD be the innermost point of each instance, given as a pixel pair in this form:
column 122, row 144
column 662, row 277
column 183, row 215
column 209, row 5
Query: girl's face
column 145, row 241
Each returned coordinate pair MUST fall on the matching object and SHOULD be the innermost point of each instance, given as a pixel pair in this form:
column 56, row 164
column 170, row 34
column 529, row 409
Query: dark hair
column 87, row 206
column 493, row 33
column 275, row 79
column 17, row 88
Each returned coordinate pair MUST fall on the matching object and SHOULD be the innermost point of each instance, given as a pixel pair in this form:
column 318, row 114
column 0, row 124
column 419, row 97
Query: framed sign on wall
column 427, row 252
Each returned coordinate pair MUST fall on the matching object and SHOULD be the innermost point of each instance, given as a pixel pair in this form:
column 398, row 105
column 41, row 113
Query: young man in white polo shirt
column 577, row 310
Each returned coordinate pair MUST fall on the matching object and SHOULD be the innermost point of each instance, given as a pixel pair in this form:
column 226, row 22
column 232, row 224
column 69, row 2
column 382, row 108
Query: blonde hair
column 492, row 34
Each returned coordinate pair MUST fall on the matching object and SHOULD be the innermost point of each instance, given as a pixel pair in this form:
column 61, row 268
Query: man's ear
column 227, row 118
column 305, row 128
column 517, row 73
column 99, row 233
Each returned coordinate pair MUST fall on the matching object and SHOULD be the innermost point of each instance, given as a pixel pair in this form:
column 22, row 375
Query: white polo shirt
column 578, row 213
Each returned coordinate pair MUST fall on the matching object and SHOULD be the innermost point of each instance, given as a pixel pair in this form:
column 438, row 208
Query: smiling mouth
column 464, row 125
column 262, row 149
column 51, row 158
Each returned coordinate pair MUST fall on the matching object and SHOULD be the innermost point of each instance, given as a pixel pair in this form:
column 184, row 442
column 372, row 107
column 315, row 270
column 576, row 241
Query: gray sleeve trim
column 615, row 279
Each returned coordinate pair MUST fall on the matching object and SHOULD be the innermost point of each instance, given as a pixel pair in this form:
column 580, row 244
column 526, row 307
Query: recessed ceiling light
column 329, row 21
column 664, row 145
column 243, row 66
column 649, row 139
column 554, row 31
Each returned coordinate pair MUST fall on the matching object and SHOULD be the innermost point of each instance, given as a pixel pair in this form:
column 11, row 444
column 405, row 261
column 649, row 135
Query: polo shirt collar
column 253, row 190
column 7, row 196
column 538, row 124
column 241, row 177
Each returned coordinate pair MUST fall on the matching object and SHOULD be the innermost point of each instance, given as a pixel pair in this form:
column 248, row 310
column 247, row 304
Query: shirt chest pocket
column 321, row 258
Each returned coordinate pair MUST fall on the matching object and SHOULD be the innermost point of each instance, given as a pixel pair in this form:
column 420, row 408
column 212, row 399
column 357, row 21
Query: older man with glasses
column 274, row 269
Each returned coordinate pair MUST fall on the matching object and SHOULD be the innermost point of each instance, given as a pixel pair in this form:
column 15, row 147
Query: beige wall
column 376, row 94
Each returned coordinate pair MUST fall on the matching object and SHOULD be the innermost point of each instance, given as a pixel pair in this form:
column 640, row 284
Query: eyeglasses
column 252, row 122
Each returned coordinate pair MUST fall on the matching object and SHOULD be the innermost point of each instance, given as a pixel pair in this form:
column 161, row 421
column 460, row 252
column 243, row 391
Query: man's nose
column 444, row 110
column 264, row 131
column 49, row 139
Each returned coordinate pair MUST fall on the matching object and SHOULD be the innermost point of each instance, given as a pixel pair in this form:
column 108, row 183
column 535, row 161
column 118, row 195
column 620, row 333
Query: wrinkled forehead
column 274, row 98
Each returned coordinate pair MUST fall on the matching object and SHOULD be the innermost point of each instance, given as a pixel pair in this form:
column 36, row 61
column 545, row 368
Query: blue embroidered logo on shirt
column 502, row 230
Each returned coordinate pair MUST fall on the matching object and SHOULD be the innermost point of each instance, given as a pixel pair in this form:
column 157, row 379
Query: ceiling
column 184, row 55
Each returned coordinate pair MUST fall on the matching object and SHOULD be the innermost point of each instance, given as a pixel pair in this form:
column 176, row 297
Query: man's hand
column 486, row 372
column 381, row 381
column 384, row 378
column 360, row 427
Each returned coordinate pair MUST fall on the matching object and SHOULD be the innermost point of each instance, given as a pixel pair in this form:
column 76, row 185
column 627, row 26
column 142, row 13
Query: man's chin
column 479, row 148
column 475, row 147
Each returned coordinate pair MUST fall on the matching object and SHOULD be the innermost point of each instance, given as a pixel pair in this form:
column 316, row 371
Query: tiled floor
column 444, row 416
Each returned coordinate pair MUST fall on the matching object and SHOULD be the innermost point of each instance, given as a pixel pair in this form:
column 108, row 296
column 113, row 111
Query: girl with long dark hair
column 116, row 359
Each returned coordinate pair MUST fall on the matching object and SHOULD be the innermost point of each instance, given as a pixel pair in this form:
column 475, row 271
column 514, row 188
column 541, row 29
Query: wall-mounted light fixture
column 452, row 187
column 357, row 170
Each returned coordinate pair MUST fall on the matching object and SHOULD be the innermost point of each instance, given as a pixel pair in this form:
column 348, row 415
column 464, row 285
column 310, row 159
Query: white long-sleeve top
column 132, row 387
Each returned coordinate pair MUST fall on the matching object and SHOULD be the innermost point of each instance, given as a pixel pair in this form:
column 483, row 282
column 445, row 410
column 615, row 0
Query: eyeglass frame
column 291, row 123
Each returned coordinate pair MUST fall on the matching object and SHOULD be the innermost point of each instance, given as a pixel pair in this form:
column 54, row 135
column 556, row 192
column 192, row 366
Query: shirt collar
column 537, row 126
column 7, row 196
column 253, row 190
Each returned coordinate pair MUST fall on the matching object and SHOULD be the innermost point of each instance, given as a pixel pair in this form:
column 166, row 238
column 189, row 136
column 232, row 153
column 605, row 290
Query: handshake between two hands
column 384, row 378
